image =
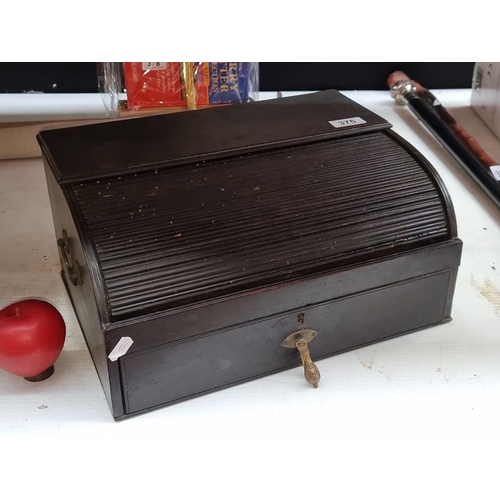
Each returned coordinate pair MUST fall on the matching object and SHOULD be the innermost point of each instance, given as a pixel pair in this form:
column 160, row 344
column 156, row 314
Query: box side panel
column 82, row 295
column 188, row 368
column 451, row 292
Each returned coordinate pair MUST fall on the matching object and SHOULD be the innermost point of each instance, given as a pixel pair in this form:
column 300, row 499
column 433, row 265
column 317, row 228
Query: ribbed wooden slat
column 185, row 234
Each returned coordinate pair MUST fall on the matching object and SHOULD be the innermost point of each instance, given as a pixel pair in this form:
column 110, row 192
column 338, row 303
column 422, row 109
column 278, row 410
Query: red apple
column 32, row 334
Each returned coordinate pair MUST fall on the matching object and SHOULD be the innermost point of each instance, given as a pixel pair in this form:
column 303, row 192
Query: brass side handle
column 299, row 340
column 69, row 264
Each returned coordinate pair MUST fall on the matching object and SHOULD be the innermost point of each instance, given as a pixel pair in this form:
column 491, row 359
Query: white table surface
column 412, row 417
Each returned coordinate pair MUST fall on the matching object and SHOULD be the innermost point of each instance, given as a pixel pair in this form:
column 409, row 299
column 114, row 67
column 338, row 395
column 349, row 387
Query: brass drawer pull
column 299, row 340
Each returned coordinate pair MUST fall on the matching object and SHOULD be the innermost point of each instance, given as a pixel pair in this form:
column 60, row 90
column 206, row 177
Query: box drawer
column 181, row 370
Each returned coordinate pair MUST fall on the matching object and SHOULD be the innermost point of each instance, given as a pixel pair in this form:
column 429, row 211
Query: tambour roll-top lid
column 269, row 202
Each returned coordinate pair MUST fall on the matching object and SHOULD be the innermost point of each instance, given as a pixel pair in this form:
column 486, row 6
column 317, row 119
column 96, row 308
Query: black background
column 82, row 77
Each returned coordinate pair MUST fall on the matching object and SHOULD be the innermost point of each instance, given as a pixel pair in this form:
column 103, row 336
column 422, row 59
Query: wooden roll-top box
column 193, row 244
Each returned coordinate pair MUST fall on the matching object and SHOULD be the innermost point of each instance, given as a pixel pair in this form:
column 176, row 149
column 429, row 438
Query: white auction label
column 495, row 170
column 347, row 122
column 153, row 65
column 121, row 348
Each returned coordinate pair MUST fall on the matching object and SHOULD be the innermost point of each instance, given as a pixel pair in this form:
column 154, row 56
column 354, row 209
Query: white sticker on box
column 153, row 65
column 495, row 170
column 347, row 122
column 121, row 348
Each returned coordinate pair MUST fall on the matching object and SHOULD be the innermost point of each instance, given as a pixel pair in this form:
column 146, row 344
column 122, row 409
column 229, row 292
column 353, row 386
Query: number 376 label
column 347, row 122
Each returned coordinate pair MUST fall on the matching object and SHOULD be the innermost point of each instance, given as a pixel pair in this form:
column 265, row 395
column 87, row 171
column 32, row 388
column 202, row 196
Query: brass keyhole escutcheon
column 299, row 340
